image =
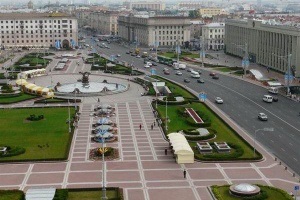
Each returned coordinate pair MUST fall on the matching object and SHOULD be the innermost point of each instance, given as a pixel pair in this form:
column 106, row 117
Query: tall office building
column 266, row 42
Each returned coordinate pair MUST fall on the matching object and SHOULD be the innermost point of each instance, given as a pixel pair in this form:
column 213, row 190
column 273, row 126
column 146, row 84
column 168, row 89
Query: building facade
column 210, row 11
column 214, row 36
column 38, row 30
column 190, row 5
column 159, row 30
column 265, row 43
column 148, row 5
column 105, row 22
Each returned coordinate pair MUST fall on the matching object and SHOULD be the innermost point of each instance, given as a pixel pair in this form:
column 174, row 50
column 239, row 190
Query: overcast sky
column 16, row 2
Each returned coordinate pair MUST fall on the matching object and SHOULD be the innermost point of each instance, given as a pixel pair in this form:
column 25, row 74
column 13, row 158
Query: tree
column 194, row 14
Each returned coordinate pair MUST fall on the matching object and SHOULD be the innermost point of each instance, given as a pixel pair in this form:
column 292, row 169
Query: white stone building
column 164, row 30
column 148, row 5
column 214, row 36
column 105, row 22
column 34, row 30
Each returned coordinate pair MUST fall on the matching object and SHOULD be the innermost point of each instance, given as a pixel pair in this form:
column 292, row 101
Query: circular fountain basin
column 91, row 89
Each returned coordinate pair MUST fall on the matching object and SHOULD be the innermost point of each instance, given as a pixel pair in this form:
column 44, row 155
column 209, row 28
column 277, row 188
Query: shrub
column 35, row 118
column 61, row 194
column 13, row 151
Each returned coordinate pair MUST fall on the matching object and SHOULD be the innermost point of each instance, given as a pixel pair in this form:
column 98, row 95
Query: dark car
column 275, row 99
column 127, row 52
column 212, row 74
column 154, row 64
column 200, row 81
column 215, row 77
column 186, row 80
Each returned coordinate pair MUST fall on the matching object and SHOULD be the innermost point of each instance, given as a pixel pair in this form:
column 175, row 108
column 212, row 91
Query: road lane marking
column 291, row 144
column 272, row 141
column 256, row 104
column 282, row 149
column 295, row 159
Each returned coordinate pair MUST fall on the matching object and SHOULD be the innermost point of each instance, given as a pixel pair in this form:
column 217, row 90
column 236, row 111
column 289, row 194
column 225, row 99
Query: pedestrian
column 184, row 173
column 151, row 126
column 166, row 151
column 154, row 123
column 140, row 126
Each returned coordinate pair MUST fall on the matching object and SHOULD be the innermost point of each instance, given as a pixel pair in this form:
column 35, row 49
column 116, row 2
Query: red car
column 212, row 74
column 167, row 72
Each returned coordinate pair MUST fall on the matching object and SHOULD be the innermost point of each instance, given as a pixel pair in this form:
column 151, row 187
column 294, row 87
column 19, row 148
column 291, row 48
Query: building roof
column 180, row 144
column 13, row 16
column 40, row 193
column 213, row 25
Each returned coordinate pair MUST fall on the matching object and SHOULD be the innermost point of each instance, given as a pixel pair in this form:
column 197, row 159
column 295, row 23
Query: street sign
column 288, row 77
column 202, row 96
column 153, row 71
column 296, row 187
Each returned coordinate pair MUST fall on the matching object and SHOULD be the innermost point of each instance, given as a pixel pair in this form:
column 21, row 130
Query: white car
column 118, row 55
column 149, row 63
column 219, row 100
column 147, row 66
column 138, row 56
column 262, row 117
column 179, row 73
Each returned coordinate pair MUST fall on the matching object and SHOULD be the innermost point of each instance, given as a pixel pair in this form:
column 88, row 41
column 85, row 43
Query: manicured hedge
column 13, row 151
column 160, row 102
column 61, row 194
column 12, row 195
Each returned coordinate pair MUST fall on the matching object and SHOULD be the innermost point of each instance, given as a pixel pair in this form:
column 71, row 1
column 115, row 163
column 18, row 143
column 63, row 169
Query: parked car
column 200, row 80
column 147, row 66
column 179, row 73
column 262, row 117
column 165, row 69
column 118, row 55
column 138, row 56
column 219, row 100
column 189, row 70
column 215, row 77
column 127, row 52
column 154, row 64
column 186, row 80
column 212, row 74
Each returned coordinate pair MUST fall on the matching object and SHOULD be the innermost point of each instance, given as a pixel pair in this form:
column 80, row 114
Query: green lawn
column 52, row 130
column 224, row 133
column 174, row 55
column 90, row 195
column 22, row 97
column 271, row 192
column 11, row 195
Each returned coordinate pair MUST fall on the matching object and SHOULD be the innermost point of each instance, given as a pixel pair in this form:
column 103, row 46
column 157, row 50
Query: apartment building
column 161, row 30
column 190, row 5
column 214, row 36
column 209, row 12
column 38, row 30
column 266, row 42
column 148, row 5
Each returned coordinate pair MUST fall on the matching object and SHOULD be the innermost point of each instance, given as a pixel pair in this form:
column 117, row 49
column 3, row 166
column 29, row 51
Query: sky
column 10, row 2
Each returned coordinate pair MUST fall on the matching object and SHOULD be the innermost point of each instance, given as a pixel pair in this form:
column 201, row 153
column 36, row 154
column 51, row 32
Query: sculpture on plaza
column 85, row 78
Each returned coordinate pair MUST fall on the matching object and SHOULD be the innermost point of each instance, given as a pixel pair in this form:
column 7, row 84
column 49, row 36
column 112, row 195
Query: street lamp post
column 166, row 113
column 69, row 116
column 254, row 139
column 202, row 51
column 288, row 59
column 104, row 197
column 245, row 62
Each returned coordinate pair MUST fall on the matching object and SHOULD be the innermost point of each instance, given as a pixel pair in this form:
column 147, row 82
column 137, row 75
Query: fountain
column 86, row 87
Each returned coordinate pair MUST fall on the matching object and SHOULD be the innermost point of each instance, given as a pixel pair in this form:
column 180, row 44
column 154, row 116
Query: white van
column 273, row 90
column 195, row 74
column 177, row 66
column 268, row 98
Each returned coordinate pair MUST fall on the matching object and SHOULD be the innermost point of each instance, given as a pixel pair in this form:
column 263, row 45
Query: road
column 242, row 103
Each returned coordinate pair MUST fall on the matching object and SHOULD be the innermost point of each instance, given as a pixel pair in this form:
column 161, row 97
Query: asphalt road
column 242, row 103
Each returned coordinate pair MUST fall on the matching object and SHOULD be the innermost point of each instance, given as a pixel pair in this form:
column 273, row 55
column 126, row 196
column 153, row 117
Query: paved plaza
column 142, row 169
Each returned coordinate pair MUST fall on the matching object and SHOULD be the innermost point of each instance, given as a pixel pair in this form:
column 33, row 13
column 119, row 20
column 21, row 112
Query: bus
column 165, row 60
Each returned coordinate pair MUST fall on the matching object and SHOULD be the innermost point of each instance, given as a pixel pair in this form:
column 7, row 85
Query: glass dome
column 245, row 187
